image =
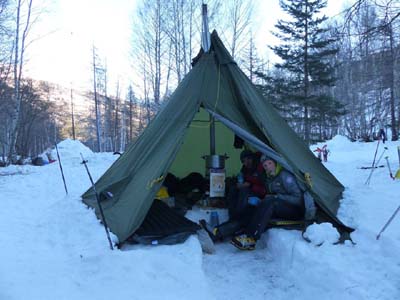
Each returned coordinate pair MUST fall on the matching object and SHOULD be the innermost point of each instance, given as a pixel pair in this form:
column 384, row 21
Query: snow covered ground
column 53, row 247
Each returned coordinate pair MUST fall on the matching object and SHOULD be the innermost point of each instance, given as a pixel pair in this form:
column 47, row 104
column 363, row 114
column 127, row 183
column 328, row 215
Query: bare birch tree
column 133, row 111
column 238, row 21
column 96, row 99
column 116, row 118
column 150, row 48
column 22, row 25
column 390, row 58
column 375, row 28
column 72, row 117
column 180, row 26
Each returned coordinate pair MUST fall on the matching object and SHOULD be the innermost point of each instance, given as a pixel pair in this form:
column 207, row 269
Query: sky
column 67, row 30
column 70, row 29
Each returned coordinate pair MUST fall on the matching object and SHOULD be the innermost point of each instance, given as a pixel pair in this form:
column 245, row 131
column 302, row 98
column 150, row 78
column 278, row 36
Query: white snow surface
column 53, row 247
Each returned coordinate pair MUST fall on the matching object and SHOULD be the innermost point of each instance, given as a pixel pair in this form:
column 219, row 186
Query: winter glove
column 253, row 201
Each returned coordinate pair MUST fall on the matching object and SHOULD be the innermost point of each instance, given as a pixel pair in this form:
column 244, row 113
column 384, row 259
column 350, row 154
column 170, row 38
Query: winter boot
column 244, row 242
column 212, row 231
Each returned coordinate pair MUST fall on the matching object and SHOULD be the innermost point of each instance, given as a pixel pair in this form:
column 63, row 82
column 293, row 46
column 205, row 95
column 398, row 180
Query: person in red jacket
column 283, row 200
column 250, row 182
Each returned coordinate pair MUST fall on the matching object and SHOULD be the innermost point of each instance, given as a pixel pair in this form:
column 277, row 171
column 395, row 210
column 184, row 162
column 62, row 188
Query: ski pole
column 376, row 151
column 387, row 223
column 103, row 219
column 390, row 170
column 62, row 172
column 372, row 170
column 367, row 168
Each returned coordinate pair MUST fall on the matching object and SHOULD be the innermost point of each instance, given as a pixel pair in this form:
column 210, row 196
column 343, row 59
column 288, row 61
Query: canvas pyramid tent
column 179, row 134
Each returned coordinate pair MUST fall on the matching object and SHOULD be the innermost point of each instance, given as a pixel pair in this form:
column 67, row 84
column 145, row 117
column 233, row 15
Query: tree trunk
column 18, row 66
column 306, row 81
column 72, row 117
column 392, row 87
column 96, row 103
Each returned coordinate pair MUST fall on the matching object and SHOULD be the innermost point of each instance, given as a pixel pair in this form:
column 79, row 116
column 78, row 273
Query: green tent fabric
column 215, row 84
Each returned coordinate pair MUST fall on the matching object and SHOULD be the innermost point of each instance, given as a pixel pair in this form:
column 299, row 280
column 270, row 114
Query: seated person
column 250, row 183
column 283, row 200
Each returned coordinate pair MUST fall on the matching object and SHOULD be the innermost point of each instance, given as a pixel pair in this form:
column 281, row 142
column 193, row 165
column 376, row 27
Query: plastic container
column 204, row 202
column 170, row 201
column 240, row 178
column 214, row 219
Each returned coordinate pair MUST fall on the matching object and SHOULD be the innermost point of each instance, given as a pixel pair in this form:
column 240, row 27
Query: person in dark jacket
column 250, row 182
column 284, row 199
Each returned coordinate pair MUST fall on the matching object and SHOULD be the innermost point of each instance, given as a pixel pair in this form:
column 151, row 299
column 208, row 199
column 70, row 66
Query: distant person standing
column 322, row 153
column 325, row 152
column 382, row 135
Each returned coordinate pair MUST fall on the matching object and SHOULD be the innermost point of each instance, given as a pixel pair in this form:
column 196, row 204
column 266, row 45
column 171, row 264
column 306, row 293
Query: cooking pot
column 215, row 161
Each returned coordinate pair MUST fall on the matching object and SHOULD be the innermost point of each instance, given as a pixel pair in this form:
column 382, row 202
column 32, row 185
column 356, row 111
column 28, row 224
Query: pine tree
column 305, row 51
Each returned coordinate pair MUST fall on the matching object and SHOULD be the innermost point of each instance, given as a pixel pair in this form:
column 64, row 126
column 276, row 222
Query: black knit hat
column 246, row 153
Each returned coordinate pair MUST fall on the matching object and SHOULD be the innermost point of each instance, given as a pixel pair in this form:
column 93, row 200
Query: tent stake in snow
column 62, row 172
column 103, row 219
column 387, row 223
column 372, row 170
column 397, row 176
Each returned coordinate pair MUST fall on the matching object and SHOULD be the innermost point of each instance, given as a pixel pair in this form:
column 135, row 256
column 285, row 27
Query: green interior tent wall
column 217, row 84
column 197, row 144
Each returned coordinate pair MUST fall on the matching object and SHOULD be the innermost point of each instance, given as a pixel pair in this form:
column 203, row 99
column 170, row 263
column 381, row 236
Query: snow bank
column 343, row 150
column 71, row 149
column 57, row 249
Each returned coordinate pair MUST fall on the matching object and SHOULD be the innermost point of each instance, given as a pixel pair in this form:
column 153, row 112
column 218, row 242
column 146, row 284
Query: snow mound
column 320, row 233
column 15, row 170
column 340, row 140
column 71, row 149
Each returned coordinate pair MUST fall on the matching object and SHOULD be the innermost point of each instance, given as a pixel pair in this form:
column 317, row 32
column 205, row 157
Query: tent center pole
column 212, row 135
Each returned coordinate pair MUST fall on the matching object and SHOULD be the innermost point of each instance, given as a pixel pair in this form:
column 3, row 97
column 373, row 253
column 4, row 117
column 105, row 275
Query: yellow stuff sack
column 162, row 193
